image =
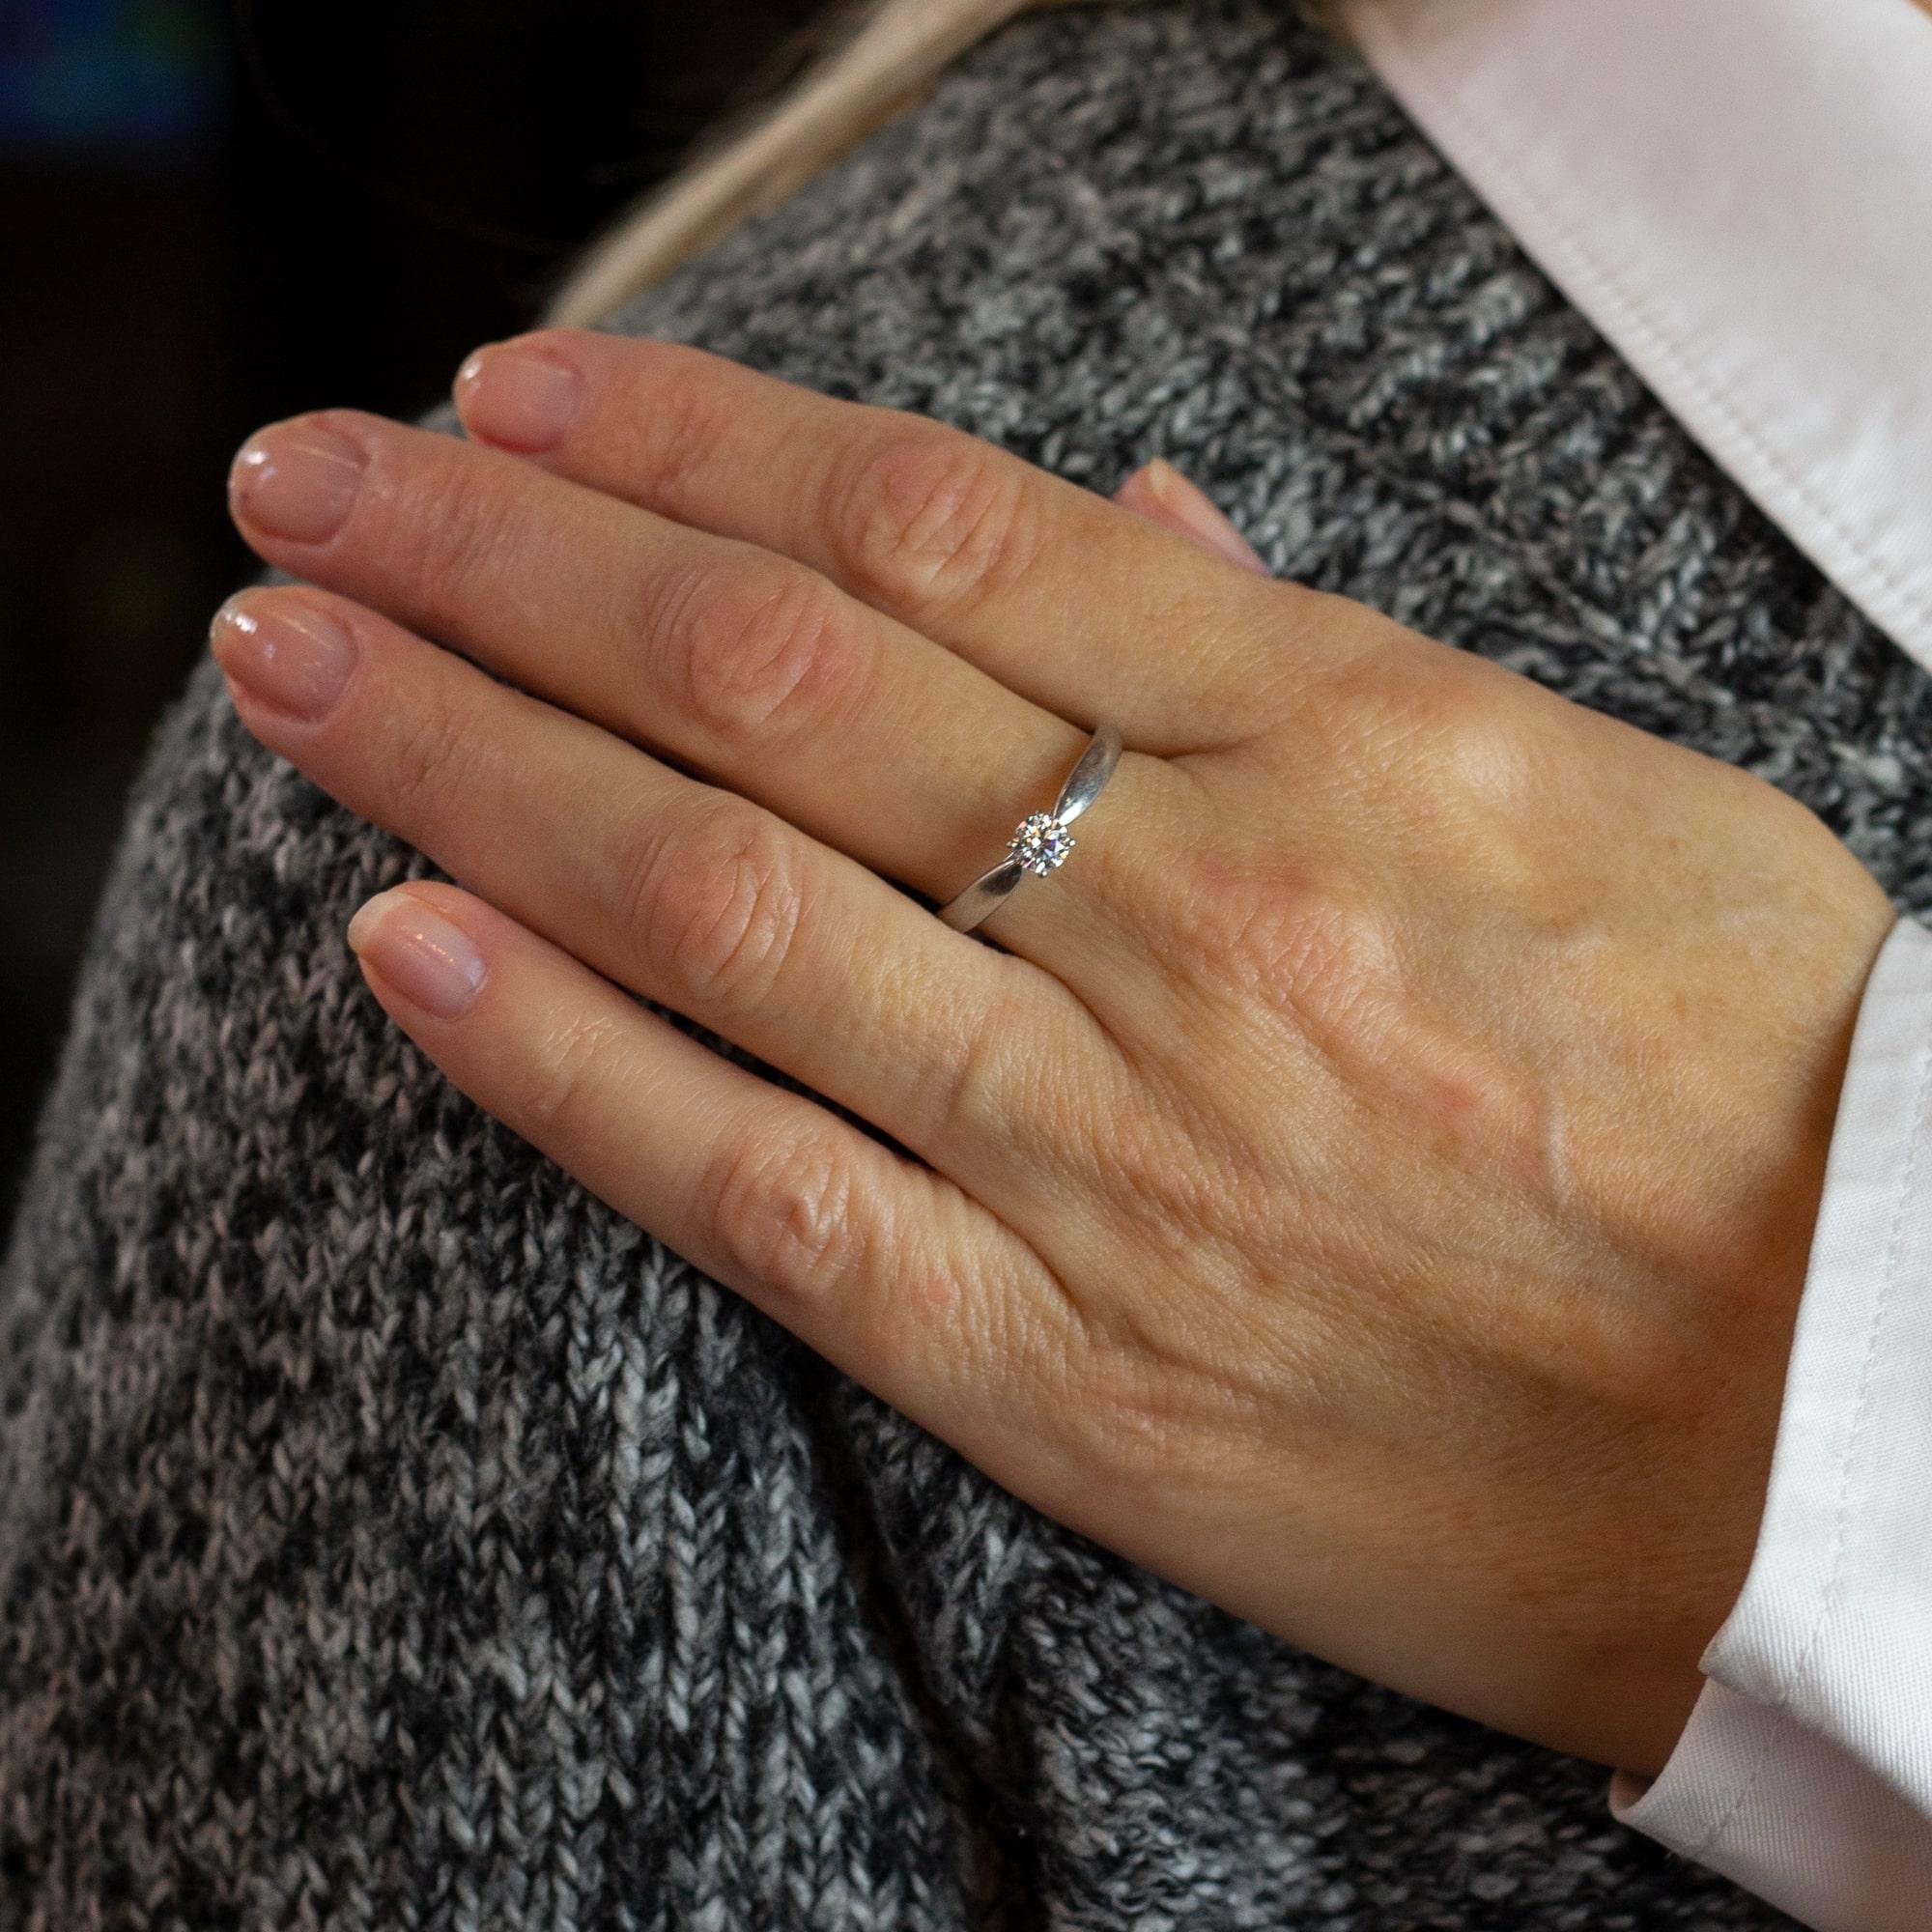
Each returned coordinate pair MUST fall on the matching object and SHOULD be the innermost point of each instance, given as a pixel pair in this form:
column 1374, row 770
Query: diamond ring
column 1043, row 842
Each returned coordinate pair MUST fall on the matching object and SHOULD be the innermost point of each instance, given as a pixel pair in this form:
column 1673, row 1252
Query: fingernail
column 288, row 656
column 296, row 480
column 433, row 963
column 518, row 398
column 1190, row 507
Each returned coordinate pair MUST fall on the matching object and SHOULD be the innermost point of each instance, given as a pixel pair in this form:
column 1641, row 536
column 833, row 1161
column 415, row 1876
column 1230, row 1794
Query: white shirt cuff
column 1804, row 1772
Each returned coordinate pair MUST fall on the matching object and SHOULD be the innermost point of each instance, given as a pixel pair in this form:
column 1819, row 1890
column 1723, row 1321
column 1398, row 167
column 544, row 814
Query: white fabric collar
column 1739, row 194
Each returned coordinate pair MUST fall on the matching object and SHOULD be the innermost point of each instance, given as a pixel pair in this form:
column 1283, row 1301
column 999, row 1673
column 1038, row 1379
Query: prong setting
column 1042, row 842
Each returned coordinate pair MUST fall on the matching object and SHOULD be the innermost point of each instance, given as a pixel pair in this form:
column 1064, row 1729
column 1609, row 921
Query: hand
column 1369, row 1185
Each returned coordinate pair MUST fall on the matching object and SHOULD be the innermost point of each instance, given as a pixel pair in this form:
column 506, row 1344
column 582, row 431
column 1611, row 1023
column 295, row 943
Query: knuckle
column 714, row 898
column 1146, row 1163
column 466, row 529
column 1295, row 943
column 780, row 1210
column 764, row 653
column 1186, row 1436
column 424, row 760
column 687, row 422
column 565, row 1063
column 930, row 517
column 1456, row 730
column 995, row 1074
column 1477, row 756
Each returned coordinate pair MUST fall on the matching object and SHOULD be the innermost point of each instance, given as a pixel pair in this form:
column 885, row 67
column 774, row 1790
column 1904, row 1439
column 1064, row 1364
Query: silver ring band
column 1043, row 842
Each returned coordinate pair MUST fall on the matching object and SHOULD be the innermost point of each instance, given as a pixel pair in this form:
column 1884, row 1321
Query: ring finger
column 747, row 667
column 683, row 893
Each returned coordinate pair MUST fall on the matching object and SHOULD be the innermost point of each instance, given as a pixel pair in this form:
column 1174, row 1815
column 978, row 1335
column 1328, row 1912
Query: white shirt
column 1739, row 194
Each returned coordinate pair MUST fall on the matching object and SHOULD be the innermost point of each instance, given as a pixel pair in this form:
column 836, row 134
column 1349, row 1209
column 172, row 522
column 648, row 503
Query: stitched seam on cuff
column 1834, row 1582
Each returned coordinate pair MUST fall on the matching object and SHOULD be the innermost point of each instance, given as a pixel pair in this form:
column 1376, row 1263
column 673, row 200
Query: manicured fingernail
column 296, row 480
column 1192, row 509
column 433, row 963
column 289, row 656
column 516, row 397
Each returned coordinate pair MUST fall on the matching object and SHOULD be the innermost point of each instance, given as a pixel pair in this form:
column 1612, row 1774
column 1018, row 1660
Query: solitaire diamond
column 1040, row 844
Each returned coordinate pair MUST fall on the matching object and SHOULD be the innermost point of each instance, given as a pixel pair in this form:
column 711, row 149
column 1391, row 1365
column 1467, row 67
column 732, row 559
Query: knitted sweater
column 393, row 1536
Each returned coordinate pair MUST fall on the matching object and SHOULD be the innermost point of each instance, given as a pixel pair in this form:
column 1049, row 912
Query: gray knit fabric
column 391, row 1536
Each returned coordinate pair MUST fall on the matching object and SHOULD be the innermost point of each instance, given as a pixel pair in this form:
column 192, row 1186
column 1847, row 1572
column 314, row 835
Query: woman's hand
column 1372, row 1185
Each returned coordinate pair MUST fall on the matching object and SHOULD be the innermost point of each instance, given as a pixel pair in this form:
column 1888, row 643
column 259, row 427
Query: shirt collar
column 1737, row 193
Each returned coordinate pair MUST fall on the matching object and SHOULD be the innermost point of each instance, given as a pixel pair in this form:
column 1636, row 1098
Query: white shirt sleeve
column 1804, row 1772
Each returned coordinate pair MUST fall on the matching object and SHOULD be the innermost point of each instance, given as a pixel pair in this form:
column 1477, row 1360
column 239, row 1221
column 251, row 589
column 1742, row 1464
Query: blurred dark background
column 213, row 212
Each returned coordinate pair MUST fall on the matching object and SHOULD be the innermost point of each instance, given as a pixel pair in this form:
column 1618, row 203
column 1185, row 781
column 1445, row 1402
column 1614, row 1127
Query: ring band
column 1043, row 842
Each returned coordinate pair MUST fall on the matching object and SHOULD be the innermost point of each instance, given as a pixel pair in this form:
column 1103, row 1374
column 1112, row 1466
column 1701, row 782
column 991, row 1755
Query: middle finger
column 685, row 894
column 747, row 667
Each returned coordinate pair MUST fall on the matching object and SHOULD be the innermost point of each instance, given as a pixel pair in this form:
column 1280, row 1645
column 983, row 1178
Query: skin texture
column 1369, row 1185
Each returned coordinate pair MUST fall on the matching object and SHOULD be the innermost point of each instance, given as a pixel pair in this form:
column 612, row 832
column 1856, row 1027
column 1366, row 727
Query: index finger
column 1070, row 600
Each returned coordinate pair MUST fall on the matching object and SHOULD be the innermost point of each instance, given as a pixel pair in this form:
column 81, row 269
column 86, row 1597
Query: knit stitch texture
column 393, row 1536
